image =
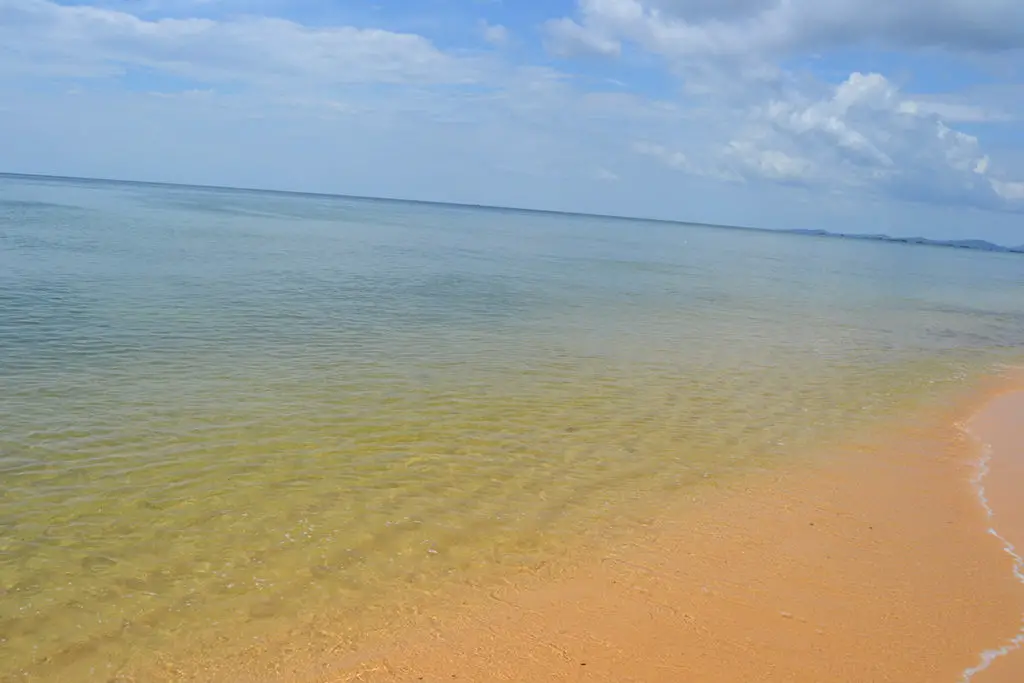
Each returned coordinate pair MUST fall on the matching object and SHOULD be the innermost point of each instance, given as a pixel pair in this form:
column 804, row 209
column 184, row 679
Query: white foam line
column 1017, row 641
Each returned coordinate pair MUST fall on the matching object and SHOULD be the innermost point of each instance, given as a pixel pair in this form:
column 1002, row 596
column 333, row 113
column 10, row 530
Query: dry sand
column 874, row 565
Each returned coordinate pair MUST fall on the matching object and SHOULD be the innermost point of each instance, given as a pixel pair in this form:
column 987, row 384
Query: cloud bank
column 728, row 110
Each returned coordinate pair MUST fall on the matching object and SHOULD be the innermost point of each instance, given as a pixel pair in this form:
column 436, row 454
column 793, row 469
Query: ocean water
column 230, row 414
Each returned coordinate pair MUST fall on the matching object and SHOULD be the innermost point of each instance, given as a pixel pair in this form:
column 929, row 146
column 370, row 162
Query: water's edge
column 983, row 470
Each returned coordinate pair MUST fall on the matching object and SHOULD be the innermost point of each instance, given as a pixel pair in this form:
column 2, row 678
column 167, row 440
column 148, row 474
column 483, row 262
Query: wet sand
column 999, row 430
column 875, row 564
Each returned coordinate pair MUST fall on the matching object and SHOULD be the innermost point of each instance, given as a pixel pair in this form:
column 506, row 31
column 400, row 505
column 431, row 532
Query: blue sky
column 900, row 116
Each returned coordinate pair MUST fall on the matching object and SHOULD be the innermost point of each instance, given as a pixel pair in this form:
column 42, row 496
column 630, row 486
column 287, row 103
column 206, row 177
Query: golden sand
column 999, row 431
column 873, row 565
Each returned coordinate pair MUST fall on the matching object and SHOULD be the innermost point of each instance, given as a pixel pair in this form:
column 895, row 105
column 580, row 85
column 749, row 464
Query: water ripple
column 224, row 412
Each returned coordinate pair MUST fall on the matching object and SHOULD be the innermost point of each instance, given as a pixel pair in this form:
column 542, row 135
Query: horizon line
column 799, row 232
column 339, row 195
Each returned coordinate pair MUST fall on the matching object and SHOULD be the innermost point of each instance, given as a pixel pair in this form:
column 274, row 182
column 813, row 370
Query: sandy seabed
column 891, row 561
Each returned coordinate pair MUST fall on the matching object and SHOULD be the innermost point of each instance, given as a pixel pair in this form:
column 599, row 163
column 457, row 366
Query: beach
column 875, row 564
column 271, row 437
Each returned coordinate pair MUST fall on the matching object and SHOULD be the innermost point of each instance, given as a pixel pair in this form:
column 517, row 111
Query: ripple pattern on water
column 227, row 411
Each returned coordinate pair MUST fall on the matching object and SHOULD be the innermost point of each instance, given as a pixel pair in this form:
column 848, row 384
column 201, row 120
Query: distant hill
column 979, row 245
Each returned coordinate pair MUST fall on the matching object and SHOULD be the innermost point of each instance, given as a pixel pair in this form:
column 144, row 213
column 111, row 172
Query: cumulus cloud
column 688, row 28
column 862, row 135
column 83, row 40
column 763, row 123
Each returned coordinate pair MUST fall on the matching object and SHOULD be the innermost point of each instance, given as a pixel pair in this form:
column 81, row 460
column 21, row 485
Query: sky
column 896, row 116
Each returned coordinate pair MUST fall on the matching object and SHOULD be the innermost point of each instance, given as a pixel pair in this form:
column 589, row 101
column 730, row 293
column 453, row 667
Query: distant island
column 978, row 245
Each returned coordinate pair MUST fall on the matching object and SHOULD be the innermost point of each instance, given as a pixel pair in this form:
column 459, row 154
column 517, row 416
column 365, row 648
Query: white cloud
column 860, row 137
column 495, row 34
column 676, row 160
column 953, row 111
column 773, row 164
column 528, row 146
column 311, row 92
column 1011, row 191
column 565, row 37
column 83, row 40
column 688, row 28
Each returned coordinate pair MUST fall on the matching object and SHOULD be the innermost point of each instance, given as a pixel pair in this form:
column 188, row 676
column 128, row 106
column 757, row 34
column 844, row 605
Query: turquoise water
column 229, row 414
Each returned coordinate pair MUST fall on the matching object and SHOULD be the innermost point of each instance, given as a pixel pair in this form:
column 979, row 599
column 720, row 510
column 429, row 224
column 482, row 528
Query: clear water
column 227, row 413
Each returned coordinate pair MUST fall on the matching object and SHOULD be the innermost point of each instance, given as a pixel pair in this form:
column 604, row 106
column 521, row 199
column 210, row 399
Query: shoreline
column 871, row 563
column 876, row 566
column 998, row 429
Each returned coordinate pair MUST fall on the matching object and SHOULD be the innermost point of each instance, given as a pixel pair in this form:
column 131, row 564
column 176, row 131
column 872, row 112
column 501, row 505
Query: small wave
column 1014, row 643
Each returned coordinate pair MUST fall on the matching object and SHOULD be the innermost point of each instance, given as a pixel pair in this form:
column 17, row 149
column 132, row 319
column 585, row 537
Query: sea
column 229, row 416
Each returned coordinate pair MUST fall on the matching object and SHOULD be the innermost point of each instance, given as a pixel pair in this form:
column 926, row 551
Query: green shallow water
column 229, row 413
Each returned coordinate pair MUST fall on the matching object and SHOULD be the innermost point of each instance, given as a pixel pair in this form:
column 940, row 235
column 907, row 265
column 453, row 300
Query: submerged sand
column 877, row 564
